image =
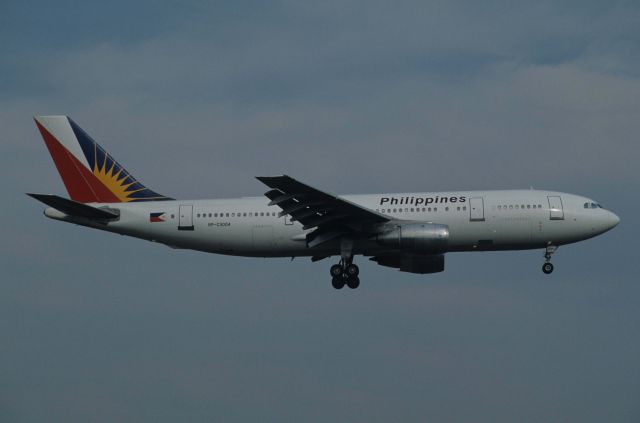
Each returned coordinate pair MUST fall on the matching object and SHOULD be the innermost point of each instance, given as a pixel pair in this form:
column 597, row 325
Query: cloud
column 195, row 99
column 329, row 82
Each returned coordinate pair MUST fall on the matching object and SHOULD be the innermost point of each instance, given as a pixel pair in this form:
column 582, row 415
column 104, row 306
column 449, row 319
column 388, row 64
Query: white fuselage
column 477, row 221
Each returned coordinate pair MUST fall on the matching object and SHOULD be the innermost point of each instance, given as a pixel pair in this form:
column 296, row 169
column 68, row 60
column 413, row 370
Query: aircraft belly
column 490, row 234
column 512, row 231
column 259, row 240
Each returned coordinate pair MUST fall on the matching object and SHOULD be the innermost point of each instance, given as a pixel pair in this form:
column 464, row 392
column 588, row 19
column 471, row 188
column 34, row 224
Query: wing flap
column 331, row 215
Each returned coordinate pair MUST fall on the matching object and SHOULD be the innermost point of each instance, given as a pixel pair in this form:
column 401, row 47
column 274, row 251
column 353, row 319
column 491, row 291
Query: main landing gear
column 345, row 274
column 547, row 267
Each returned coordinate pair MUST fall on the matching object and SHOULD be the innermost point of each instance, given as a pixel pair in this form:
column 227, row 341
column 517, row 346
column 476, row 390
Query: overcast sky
column 197, row 98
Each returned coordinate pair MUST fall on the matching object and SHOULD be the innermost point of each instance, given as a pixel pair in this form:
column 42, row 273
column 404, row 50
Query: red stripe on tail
column 80, row 182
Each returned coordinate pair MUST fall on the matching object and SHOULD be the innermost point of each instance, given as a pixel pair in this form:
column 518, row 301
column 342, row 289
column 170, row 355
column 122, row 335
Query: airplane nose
column 612, row 220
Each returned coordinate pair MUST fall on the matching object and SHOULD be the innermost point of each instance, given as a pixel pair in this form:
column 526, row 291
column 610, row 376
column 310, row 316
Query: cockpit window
column 592, row 206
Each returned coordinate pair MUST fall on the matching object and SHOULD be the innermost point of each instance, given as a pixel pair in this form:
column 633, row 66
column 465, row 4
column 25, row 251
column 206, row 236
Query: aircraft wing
column 331, row 215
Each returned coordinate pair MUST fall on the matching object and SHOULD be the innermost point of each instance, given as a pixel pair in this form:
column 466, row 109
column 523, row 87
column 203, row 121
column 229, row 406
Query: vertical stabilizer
column 89, row 173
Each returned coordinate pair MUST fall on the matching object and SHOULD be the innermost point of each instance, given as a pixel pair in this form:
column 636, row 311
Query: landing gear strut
column 345, row 272
column 547, row 267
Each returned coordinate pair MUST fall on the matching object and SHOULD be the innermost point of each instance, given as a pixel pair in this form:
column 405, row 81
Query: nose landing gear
column 547, row 267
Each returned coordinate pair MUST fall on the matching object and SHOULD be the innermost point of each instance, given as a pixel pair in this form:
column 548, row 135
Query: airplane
column 411, row 232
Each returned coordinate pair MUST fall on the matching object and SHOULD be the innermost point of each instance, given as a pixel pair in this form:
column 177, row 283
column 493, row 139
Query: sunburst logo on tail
column 108, row 181
column 115, row 178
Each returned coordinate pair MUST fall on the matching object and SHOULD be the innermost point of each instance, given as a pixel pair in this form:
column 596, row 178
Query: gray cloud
column 353, row 97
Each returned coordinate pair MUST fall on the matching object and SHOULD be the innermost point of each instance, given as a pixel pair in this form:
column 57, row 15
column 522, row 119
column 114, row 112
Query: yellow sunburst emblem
column 115, row 182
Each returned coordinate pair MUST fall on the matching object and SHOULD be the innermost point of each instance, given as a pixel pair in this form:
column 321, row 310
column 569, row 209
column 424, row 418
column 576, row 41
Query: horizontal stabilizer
column 74, row 208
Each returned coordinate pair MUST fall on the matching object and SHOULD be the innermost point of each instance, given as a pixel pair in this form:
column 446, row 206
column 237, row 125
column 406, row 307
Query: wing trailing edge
column 329, row 215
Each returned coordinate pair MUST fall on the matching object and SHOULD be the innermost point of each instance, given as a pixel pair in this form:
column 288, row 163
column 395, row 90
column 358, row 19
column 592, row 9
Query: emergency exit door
column 185, row 218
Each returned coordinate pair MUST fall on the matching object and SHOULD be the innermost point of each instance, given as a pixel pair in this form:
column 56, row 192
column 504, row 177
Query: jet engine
column 413, row 263
column 415, row 237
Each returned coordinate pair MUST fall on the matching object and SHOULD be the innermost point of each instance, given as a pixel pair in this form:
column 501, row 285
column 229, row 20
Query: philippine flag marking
column 156, row 217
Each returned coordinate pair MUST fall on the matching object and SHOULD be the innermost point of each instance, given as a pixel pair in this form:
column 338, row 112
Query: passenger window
column 424, row 209
column 510, row 206
column 464, row 208
column 528, row 206
column 227, row 214
column 458, row 208
column 173, row 216
column 516, row 207
column 446, row 209
column 262, row 214
column 435, row 209
column 412, row 209
column 394, row 210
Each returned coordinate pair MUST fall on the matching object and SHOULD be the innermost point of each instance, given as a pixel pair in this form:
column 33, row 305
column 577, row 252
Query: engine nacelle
column 416, row 237
column 413, row 263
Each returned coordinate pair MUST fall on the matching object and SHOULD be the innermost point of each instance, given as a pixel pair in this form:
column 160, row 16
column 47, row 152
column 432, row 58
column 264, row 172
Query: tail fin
column 89, row 173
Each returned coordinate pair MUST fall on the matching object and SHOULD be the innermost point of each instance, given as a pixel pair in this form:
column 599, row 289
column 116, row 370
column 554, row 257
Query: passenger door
column 476, row 209
column 185, row 218
column 555, row 208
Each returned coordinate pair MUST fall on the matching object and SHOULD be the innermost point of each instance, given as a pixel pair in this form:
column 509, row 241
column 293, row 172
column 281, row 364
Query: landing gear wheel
column 352, row 270
column 337, row 282
column 547, row 267
column 353, row 282
column 336, row 270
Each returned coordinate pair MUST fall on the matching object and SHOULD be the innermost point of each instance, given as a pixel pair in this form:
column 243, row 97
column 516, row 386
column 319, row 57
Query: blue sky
column 196, row 98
